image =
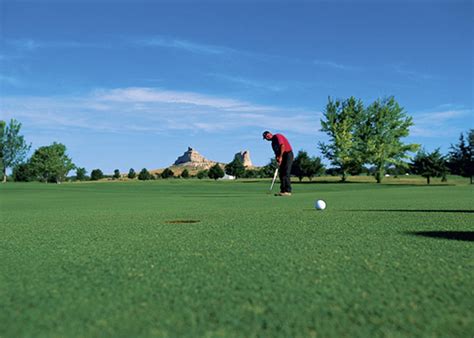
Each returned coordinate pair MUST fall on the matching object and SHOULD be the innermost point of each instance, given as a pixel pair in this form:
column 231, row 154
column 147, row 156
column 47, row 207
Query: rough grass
column 106, row 260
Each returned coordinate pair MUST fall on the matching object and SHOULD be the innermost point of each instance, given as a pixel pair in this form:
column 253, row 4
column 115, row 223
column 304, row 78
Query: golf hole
column 183, row 221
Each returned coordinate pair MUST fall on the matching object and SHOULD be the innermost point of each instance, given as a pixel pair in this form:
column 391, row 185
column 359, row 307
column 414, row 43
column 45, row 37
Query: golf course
column 203, row 258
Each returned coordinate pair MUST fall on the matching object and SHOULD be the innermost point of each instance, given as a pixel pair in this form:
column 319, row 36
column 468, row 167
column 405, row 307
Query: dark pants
column 285, row 171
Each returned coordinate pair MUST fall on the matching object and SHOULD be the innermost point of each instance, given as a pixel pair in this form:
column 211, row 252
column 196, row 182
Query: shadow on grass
column 462, row 211
column 456, row 235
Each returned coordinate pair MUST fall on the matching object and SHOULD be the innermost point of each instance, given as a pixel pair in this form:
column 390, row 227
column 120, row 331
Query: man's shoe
column 283, row 194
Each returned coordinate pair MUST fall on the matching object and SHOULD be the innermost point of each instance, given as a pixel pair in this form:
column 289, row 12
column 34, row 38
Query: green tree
column 131, row 174
column 235, row 168
column 251, row 173
column 379, row 136
column 340, row 121
column 269, row 169
column 185, row 173
column 116, row 175
column 144, row 175
column 51, row 163
column 314, row 168
column 13, row 148
column 429, row 164
column 81, row 174
column 305, row 166
column 215, row 172
column 300, row 163
column 22, row 173
column 461, row 156
column 201, row 174
column 167, row 173
column 96, row 175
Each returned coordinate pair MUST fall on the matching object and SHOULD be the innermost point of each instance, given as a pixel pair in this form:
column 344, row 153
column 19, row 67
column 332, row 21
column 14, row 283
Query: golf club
column 274, row 179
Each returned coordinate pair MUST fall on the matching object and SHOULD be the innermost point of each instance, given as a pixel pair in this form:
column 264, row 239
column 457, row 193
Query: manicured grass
column 104, row 260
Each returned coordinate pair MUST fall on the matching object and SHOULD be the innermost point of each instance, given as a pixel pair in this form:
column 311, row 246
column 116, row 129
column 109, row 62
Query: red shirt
column 277, row 141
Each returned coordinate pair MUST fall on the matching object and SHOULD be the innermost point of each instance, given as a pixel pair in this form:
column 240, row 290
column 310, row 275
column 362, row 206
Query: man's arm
column 279, row 157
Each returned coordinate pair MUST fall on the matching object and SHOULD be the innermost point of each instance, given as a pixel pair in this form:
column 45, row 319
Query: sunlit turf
column 115, row 259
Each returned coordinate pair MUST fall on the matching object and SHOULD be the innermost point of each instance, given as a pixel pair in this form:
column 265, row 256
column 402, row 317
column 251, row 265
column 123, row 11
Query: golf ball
column 320, row 205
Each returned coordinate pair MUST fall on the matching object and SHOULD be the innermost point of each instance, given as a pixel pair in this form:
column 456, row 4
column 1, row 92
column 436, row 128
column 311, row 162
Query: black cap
column 265, row 134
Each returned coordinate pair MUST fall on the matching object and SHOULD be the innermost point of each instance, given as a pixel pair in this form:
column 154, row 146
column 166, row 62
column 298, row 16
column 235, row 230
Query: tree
column 299, row 164
column 81, row 174
column 185, row 173
column 116, row 174
column 251, row 173
column 461, row 157
column 201, row 174
column 167, row 173
column 341, row 118
column 429, row 164
column 144, row 175
column 315, row 168
column 379, row 136
column 215, row 172
column 13, row 148
column 269, row 169
column 131, row 174
column 235, row 168
column 22, row 173
column 305, row 166
column 51, row 163
column 96, row 175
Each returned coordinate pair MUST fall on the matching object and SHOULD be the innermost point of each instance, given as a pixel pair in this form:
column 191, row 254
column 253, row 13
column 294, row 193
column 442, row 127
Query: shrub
column 131, row 174
column 96, row 175
column 215, row 172
column 201, row 174
column 167, row 173
column 185, row 173
column 144, row 175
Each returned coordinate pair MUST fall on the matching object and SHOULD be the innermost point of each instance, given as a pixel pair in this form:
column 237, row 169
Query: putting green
column 189, row 258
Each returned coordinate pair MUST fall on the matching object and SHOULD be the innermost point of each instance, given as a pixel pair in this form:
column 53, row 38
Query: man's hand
column 278, row 159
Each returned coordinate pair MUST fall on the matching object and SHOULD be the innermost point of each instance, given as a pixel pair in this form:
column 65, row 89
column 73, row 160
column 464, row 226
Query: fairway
column 190, row 258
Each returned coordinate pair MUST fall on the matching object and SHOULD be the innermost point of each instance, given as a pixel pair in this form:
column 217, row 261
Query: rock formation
column 244, row 156
column 191, row 158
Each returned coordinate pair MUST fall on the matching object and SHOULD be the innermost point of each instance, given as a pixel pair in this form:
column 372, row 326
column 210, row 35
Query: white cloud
column 155, row 110
column 439, row 123
column 335, row 65
column 167, row 42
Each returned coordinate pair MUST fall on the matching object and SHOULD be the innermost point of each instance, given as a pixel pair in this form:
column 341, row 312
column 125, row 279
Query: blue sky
column 133, row 84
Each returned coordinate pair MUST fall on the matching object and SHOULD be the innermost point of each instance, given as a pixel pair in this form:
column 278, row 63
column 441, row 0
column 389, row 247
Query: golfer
column 284, row 157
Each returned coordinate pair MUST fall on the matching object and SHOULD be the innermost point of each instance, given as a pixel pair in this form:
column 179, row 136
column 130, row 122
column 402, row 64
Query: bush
column 131, row 174
column 215, row 172
column 22, row 173
column 167, row 173
column 185, row 173
column 81, row 174
column 202, row 174
column 251, row 173
column 116, row 174
column 144, row 175
column 96, row 175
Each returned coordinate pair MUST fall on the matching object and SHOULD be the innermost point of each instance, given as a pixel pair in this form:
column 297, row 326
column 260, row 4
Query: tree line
column 361, row 141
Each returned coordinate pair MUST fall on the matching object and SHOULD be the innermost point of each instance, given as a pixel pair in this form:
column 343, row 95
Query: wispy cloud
column 334, row 65
column 32, row 45
column 9, row 80
column 249, row 83
column 439, row 123
column 190, row 46
column 156, row 110
column 411, row 74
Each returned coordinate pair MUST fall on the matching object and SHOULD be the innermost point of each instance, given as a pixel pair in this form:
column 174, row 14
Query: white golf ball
column 320, row 205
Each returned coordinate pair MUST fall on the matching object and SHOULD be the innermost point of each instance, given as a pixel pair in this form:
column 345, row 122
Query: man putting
column 284, row 157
